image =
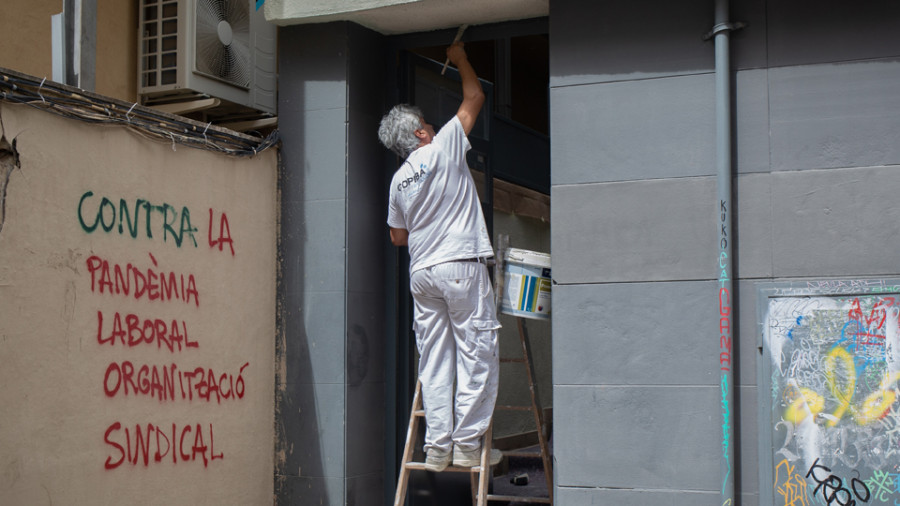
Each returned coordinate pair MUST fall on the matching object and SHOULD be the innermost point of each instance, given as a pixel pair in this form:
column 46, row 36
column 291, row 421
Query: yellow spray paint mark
column 877, row 404
column 843, row 396
column 806, row 403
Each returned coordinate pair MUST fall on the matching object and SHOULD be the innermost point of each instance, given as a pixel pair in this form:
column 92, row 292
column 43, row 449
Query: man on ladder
column 434, row 209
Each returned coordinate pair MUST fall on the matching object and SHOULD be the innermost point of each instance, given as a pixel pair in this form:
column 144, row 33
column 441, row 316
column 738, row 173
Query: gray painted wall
column 330, row 444
column 635, row 341
column 635, row 337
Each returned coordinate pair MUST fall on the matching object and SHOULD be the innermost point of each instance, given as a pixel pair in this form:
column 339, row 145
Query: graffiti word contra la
column 142, row 217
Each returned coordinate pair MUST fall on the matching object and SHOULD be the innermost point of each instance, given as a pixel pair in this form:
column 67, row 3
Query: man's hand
column 457, row 53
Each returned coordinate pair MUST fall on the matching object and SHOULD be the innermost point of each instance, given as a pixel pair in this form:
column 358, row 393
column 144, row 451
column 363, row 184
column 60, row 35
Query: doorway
column 510, row 161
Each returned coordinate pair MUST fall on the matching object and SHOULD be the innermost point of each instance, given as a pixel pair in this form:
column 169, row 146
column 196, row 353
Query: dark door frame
column 400, row 353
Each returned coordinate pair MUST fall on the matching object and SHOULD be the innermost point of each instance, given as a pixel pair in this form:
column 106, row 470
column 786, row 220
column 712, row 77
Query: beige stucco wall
column 73, row 427
column 25, row 43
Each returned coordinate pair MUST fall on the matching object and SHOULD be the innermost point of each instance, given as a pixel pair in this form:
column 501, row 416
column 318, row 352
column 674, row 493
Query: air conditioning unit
column 223, row 49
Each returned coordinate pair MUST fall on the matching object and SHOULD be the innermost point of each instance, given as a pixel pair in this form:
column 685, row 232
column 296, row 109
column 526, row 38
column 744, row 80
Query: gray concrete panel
column 657, row 230
column 366, row 237
column 366, row 70
column 323, row 137
column 301, row 490
column 365, row 339
column 365, row 429
column 637, row 437
column 751, row 121
column 751, row 233
column 604, row 41
column 633, row 130
column 746, row 442
column 312, row 59
column 813, row 31
column 313, row 418
column 314, row 339
column 610, row 41
column 636, row 334
column 618, row 497
column 840, row 115
column 324, row 228
column 636, row 231
column 747, row 333
column 365, row 490
column 838, row 222
column 293, row 238
column 634, row 497
column 365, row 171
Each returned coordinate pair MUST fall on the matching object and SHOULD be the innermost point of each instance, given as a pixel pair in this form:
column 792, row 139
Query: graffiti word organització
column 160, row 382
column 149, row 282
column 174, row 442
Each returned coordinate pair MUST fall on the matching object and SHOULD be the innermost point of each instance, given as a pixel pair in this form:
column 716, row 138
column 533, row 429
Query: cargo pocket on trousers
column 485, row 338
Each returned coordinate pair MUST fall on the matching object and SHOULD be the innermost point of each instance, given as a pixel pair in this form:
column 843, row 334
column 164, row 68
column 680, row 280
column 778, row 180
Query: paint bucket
column 526, row 281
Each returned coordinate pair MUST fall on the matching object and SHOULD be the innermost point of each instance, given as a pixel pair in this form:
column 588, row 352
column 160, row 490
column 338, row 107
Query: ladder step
column 420, row 466
column 419, row 412
column 516, row 498
column 514, row 408
column 513, row 453
column 512, row 360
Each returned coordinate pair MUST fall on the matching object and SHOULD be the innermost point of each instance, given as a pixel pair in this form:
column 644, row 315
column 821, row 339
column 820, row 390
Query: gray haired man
column 435, row 211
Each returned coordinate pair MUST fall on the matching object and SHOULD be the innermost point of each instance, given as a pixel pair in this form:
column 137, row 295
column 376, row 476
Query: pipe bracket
column 723, row 27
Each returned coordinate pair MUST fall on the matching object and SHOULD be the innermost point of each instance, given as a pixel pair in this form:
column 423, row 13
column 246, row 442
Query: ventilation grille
column 159, row 62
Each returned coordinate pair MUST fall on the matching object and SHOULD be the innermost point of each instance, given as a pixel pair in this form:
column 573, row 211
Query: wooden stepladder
column 479, row 474
column 544, row 453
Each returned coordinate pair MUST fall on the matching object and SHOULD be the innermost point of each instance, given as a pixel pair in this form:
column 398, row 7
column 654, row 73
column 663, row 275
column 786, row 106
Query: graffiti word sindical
column 149, row 282
column 135, row 332
column 167, row 444
column 160, row 382
column 833, row 489
column 791, row 485
column 104, row 214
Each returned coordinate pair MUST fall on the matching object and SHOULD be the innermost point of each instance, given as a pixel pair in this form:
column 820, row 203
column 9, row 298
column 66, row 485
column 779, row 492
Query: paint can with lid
column 526, row 284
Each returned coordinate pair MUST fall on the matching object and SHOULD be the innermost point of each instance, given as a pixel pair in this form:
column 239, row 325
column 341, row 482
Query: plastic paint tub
column 526, row 281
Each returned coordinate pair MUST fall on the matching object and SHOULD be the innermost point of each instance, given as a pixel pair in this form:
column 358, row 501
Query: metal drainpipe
column 721, row 32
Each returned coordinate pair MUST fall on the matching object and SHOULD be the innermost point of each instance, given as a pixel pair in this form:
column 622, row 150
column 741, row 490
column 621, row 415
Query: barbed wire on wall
column 78, row 104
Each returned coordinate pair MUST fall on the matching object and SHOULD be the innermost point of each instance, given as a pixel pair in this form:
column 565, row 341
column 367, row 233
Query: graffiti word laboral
column 147, row 282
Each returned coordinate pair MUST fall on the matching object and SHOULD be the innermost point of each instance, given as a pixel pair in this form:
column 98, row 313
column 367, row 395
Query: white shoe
column 472, row 458
column 436, row 461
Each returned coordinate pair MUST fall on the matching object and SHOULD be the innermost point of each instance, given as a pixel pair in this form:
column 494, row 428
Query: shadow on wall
column 299, row 459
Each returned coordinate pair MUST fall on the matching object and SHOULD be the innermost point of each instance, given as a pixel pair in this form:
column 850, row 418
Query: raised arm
column 473, row 95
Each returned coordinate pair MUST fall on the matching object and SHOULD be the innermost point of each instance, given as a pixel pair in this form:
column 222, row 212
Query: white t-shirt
column 433, row 196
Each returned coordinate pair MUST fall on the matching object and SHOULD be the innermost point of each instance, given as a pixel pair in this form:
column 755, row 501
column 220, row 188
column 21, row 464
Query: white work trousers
column 456, row 334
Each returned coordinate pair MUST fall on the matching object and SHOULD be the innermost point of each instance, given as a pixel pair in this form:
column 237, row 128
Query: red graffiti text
column 126, row 378
column 186, row 443
column 149, row 283
column 132, row 331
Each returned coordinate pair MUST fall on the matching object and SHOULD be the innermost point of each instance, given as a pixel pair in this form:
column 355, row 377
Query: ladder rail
column 479, row 474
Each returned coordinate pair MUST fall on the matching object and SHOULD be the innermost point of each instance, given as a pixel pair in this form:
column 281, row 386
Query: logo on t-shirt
column 414, row 183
